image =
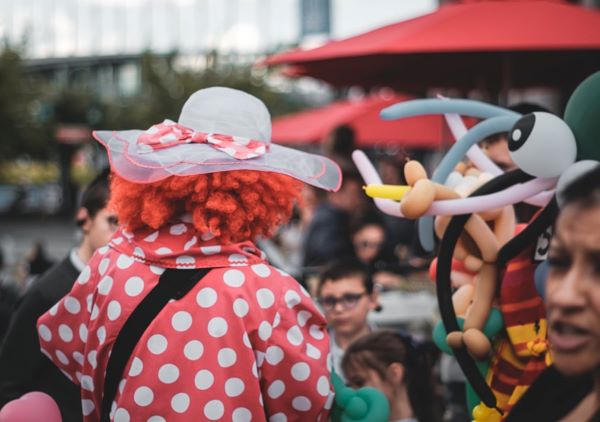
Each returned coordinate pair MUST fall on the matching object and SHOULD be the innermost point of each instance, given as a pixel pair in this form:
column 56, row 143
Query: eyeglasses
column 365, row 244
column 348, row 301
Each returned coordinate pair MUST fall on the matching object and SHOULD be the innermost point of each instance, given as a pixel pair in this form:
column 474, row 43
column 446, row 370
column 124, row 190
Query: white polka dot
column 204, row 380
column 178, row 229
column 163, row 251
column 294, row 336
column 122, row 386
column 92, row 358
column 156, row 419
column 85, row 275
column 121, row 415
column 95, row 312
column 276, row 320
column 260, row 358
column 83, row 333
column 217, row 327
column 65, row 332
column 246, row 341
column 312, row 351
column 301, row 403
column 151, row 237
column 323, row 386
column 102, row 250
column 206, row 297
column 54, row 309
column 207, row 236
column 185, row 261
column 180, row 402
column 234, row 278
column 190, row 243
column 139, row 253
column 214, row 410
column 276, row 389
column 101, row 334
column 303, row 317
column 274, row 355
column 87, row 383
column 62, row 357
column 254, row 370
column 265, row 330
column 156, row 270
column 193, row 350
column 241, row 414
column 168, row 373
column 316, row 332
column 234, row 387
column 78, row 357
column 265, row 298
column 300, row 371
column 226, row 357
column 103, row 266
column 136, row 367
column 105, row 285
column 143, row 396
column 87, row 406
column 261, row 270
column 113, row 310
column 45, row 332
column 210, row 250
column 292, row 298
column 124, row 261
column 134, row 286
column 237, row 259
column 240, row 307
column 181, row 321
column 127, row 234
column 278, row 417
column 157, row 344
column 78, row 374
column 72, row 305
column 328, row 360
column 88, row 300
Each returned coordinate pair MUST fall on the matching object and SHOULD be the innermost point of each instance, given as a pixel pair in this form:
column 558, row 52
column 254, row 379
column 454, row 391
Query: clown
column 246, row 341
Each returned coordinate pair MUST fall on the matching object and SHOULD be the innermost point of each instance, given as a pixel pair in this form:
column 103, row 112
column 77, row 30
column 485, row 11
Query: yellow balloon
column 395, row 192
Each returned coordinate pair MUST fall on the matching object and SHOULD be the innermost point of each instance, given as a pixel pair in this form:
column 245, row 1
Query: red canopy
column 528, row 42
column 312, row 126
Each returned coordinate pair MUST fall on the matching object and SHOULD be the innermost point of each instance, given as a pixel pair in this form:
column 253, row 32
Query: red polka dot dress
column 246, row 343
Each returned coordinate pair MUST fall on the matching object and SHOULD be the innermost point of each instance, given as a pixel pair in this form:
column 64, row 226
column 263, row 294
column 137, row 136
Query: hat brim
column 193, row 158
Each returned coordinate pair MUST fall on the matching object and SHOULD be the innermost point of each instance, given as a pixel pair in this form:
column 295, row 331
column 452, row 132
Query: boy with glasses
column 346, row 295
column 23, row 366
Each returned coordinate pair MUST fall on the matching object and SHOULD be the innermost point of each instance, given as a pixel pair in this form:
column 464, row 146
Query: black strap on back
column 172, row 284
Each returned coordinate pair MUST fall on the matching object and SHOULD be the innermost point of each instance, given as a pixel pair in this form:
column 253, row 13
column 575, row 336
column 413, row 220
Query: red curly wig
column 234, row 206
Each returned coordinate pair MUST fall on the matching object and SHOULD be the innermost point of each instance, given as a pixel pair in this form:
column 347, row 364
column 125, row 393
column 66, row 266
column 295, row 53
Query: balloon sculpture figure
column 479, row 236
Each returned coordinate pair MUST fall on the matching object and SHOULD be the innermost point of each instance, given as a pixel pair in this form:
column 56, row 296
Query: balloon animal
column 544, row 146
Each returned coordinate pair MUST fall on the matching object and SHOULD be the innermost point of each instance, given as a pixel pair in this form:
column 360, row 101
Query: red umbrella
column 497, row 44
column 312, row 126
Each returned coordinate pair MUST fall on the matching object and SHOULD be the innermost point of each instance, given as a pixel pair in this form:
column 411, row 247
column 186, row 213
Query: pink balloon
column 31, row 407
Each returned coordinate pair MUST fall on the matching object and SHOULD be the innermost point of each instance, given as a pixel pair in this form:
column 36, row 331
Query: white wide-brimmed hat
column 219, row 129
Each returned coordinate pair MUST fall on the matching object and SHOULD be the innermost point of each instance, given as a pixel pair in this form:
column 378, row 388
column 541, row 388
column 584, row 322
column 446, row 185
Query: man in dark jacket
column 23, row 367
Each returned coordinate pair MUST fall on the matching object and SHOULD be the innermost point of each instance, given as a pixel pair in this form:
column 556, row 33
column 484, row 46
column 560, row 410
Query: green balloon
column 363, row 405
column 582, row 114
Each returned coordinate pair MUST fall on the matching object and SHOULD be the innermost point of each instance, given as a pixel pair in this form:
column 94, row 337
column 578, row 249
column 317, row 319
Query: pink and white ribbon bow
column 168, row 134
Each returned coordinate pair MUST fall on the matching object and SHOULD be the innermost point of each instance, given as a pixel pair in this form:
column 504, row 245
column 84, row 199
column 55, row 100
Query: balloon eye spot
column 516, row 135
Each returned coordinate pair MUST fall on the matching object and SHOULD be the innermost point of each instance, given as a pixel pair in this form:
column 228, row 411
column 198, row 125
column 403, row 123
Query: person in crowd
column 339, row 144
column 569, row 390
column 397, row 366
column 346, row 295
column 329, row 233
column 371, row 247
column 37, row 263
column 244, row 341
column 23, row 367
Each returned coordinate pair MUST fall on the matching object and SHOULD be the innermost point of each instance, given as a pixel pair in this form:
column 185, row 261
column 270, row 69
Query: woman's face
column 368, row 242
column 573, row 291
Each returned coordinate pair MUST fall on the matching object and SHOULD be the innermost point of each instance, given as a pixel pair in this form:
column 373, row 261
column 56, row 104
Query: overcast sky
column 85, row 27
